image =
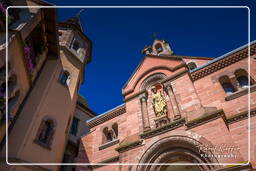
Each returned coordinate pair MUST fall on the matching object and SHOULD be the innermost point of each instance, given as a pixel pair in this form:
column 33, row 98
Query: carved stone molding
column 129, row 146
column 163, row 129
column 206, row 118
column 105, row 117
column 222, row 63
column 108, row 144
column 173, row 148
column 241, row 116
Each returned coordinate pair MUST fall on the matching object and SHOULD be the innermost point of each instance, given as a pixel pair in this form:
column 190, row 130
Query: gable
column 151, row 64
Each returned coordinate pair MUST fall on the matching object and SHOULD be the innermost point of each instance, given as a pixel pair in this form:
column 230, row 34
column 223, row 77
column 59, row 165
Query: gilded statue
column 158, row 103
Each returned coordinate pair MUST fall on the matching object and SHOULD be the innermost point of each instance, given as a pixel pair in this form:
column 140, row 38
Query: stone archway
column 178, row 151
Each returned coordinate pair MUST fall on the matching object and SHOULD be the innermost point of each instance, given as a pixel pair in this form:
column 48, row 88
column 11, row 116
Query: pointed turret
column 75, row 21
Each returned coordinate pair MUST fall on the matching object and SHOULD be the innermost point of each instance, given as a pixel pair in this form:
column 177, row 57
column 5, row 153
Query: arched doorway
column 175, row 153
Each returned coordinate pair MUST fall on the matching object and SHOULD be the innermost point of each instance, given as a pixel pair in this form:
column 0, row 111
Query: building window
column 75, row 45
column 242, row 78
column 243, row 81
column 227, row 85
column 158, row 48
column 74, row 126
column 192, row 65
column 65, row 78
column 110, row 133
column 46, row 132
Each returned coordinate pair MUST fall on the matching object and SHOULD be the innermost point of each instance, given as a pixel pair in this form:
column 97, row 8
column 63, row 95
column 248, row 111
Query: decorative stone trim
column 205, row 118
column 241, row 116
column 175, row 76
column 240, row 93
column 110, row 160
column 108, row 144
column 135, row 95
column 129, row 146
column 222, row 63
column 105, row 117
column 172, row 69
column 163, row 129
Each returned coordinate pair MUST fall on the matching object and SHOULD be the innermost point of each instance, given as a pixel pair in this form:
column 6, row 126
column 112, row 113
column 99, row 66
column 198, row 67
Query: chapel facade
column 179, row 110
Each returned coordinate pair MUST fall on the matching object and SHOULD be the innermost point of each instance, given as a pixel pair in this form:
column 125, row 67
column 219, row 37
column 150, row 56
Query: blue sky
column 118, row 35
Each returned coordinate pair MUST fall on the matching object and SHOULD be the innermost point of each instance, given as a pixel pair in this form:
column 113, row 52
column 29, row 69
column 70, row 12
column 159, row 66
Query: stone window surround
column 239, row 90
column 109, row 144
column 49, row 142
column 114, row 140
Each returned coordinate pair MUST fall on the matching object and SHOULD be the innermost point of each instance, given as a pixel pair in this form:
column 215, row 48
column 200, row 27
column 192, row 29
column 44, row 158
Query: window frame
column 67, row 79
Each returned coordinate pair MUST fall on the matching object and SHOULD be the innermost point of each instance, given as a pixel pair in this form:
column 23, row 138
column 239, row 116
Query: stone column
column 144, row 111
column 235, row 83
column 175, row 107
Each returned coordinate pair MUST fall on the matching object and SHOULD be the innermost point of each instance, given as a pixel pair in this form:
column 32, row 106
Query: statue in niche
column 158, row 103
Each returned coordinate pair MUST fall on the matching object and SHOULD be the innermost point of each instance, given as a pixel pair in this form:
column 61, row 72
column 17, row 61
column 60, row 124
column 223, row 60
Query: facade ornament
column 144, row 111
column 158, row 103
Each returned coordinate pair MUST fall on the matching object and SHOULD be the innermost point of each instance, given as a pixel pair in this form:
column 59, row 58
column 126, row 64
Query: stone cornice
column 163, row 129
column 126, row 147
column 241, row 116
column 205, row 118
column 222, row 63
column 105, row 117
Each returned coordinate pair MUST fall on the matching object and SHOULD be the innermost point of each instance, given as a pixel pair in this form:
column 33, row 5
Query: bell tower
column 161, row 47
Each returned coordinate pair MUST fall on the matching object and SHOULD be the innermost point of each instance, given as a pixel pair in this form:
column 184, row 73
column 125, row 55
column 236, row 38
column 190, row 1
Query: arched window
column 75, row 45
column 46, row 132
column 242, row 78
column 65, row 78
column 106, row 137
column 159, row 48
column 226, row 85
column 192, row 65
column 110, row 133
column 115, row 129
